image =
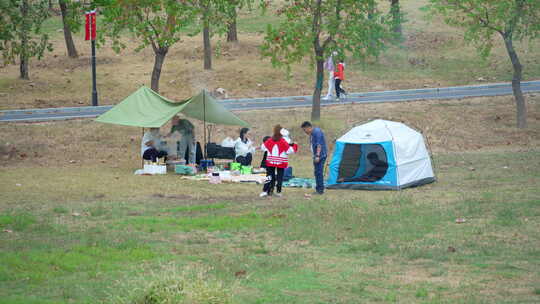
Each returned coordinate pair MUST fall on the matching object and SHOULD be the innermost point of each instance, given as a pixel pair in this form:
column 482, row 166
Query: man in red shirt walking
column 339, row 76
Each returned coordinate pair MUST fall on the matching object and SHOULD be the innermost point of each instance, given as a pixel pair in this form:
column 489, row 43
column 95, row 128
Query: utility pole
column 91, row 35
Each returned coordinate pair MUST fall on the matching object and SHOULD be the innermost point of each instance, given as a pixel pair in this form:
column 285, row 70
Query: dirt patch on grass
column 415, row 274
column 423, row 41
column 70, row 64
column 181, row 197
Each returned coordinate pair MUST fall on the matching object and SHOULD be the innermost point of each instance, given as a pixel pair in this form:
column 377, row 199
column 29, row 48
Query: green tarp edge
column 146, row 108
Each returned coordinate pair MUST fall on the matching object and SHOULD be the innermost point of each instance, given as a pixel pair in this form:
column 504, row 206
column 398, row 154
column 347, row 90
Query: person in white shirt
column 330, row 67
column 243, row 148
column 149, row 145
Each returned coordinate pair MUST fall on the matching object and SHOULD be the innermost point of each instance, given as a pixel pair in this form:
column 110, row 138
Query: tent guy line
column 499, row 89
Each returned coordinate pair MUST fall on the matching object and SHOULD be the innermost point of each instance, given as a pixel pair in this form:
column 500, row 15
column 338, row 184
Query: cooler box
column 205, row 163
column 184, row 170
column 171, row 164
column 155, row 169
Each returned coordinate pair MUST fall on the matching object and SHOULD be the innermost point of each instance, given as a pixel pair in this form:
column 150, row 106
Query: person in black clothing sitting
column 263, row 161
column 376, row 173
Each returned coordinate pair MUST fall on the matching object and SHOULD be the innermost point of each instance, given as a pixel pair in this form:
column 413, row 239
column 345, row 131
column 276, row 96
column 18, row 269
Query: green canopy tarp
column 146, row 108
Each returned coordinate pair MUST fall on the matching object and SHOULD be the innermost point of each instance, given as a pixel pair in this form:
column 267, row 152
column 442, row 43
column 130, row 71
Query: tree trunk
column 72, row 51
column 319, row 53
column 50, row 5
column 319, row 77
column 521, row 106
column 207, row 46
column 232, row 34
column 23, row 56
column 371, row 10
column 23, row 67
column 160, row 54
column 396, row 15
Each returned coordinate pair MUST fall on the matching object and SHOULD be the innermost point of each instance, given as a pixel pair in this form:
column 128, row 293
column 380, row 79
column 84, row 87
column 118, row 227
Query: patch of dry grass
column 478, row 124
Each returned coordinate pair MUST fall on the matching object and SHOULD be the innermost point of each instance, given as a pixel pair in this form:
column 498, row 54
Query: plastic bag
column 228, row 142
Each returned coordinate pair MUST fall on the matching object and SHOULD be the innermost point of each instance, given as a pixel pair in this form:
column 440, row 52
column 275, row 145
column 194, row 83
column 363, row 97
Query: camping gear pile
column 214, row 150
column 147, row 109
column 216, row 174
column 297, row 182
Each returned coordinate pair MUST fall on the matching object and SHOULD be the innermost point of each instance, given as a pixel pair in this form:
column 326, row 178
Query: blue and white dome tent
column 380, row 155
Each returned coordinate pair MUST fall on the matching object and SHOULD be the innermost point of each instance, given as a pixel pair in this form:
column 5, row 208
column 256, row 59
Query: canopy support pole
column 142, row 159
column 204, row 123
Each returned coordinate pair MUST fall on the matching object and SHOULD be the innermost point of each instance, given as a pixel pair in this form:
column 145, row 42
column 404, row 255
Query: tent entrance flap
column 146, row 108
column 350, row 160
column 363, row 162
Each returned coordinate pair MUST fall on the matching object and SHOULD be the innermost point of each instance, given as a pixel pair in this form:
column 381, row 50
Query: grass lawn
column 76, row 226
column 76, row 239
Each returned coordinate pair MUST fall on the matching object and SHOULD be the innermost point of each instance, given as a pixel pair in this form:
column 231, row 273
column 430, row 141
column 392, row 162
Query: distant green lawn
column 82, row 235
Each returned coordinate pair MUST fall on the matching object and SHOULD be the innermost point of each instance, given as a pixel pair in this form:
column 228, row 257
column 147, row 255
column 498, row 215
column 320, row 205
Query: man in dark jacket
column 318, row 148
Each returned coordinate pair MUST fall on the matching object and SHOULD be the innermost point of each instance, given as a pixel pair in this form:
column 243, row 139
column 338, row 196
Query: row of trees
column 309, row 29
column 156, row 23
column 316, row 28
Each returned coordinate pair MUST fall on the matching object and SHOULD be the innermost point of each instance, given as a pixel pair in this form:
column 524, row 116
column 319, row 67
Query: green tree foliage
column 482, row 21
column 20, row 32
column 156, row 23
column 314, row 28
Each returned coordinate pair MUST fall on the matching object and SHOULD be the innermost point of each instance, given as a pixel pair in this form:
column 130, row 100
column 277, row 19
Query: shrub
column 169, row 285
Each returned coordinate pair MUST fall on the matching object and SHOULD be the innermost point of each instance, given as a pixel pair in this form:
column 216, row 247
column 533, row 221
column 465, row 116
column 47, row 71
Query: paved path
column 497, row 89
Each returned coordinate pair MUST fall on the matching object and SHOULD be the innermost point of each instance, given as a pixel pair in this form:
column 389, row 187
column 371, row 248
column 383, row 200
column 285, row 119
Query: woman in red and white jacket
column 278, row 148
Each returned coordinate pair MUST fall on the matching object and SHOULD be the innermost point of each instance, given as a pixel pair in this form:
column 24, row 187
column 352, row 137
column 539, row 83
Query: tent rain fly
column 147, row 109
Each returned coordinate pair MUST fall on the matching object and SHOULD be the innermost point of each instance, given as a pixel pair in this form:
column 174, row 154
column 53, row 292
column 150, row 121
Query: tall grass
column 173, row 284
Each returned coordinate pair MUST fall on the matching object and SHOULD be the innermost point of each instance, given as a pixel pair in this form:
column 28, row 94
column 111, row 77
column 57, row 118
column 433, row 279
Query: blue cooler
column 205, row 163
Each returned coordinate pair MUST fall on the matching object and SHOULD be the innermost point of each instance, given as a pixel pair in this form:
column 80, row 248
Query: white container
column 155, row 169
column 225, row 174
column 215, row 179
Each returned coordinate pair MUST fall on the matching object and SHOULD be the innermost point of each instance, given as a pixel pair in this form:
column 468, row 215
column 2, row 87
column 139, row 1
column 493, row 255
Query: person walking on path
column 339, row 76
column 277, row 160
column 318, row 148
column 329, row 66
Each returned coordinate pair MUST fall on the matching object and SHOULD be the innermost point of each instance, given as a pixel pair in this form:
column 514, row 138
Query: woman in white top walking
column 330, row 67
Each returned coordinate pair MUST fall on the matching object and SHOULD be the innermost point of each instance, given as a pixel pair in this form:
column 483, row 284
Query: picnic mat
column 297, row 182
column 245, row 178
